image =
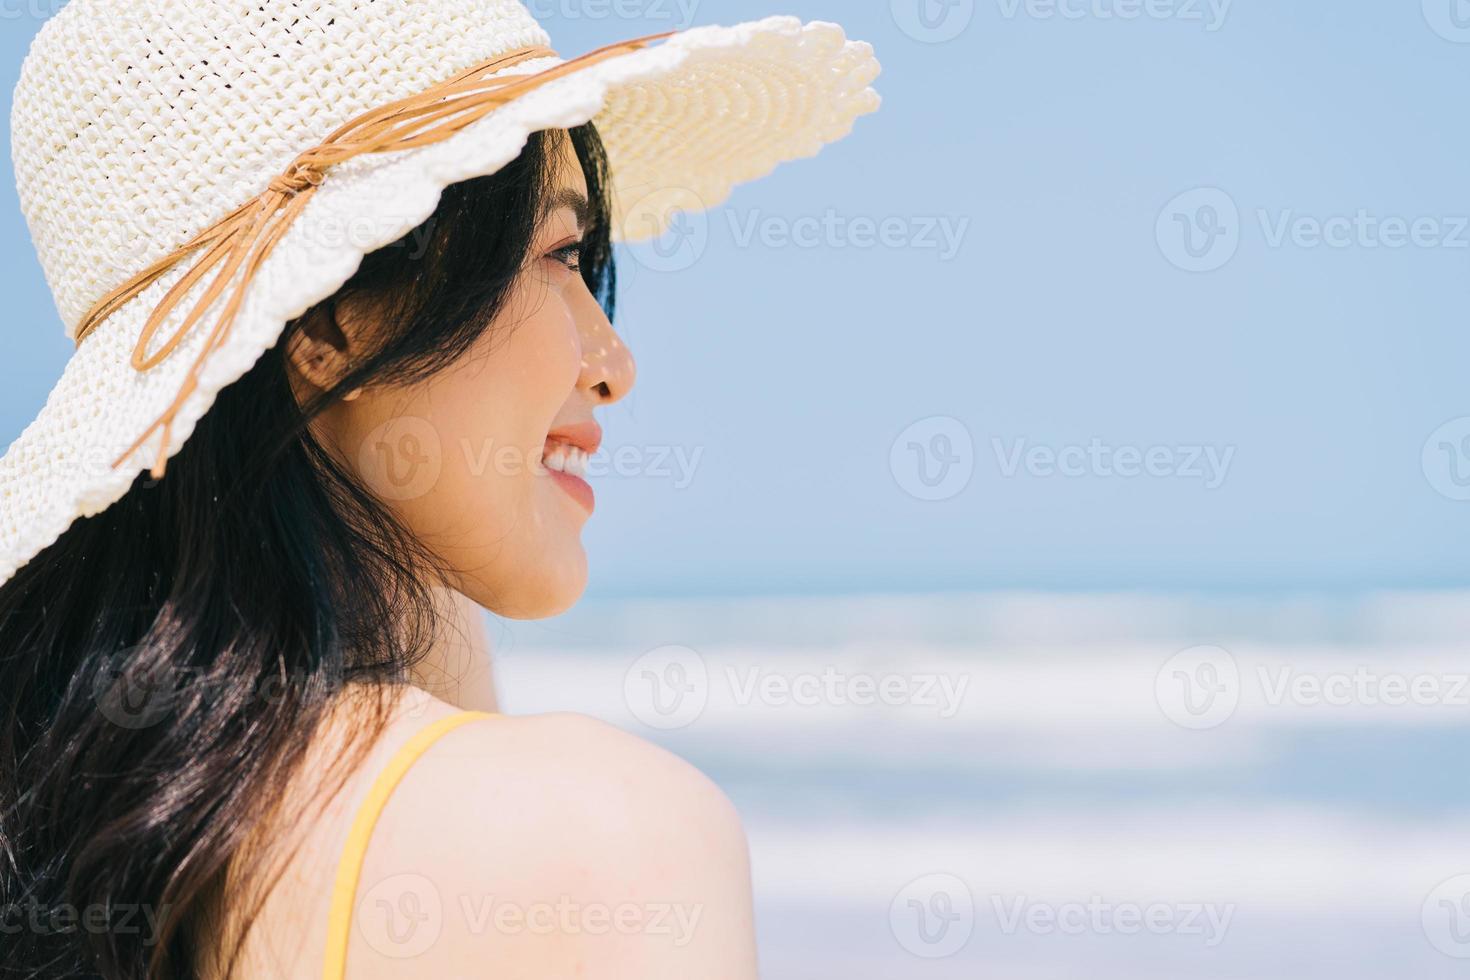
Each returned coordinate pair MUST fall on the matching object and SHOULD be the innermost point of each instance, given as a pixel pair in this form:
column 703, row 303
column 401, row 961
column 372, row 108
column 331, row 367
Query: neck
column 457, row 669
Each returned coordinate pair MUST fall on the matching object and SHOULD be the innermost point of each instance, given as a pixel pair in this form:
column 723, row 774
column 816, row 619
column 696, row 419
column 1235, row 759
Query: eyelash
column 569, row 256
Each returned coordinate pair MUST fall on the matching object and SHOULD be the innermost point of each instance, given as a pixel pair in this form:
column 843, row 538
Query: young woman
column 248, row 721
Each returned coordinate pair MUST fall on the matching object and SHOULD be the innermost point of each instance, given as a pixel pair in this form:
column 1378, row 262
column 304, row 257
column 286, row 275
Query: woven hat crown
column 138, row 123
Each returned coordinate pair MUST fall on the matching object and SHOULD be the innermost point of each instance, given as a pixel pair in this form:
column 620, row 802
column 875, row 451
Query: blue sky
column 1161, row 295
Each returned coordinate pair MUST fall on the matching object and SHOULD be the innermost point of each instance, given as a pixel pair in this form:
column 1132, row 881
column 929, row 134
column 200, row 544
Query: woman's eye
column 569, row 256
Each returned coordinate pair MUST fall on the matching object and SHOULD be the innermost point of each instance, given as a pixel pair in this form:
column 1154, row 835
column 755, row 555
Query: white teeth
column 567, row 459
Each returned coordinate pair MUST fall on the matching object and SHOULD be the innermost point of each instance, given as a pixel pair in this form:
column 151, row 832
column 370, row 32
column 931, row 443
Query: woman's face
column 480, row 460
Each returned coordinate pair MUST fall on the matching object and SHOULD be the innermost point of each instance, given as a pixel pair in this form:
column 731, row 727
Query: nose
column 608, row 368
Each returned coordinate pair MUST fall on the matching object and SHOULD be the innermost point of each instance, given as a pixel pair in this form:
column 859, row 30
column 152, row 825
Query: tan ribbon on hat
column 243, row 239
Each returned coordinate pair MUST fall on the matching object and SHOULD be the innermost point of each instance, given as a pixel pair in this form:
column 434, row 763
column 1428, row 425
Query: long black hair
column 166, row 662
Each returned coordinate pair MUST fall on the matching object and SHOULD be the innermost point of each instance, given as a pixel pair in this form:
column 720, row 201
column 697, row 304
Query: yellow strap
column 349, row 869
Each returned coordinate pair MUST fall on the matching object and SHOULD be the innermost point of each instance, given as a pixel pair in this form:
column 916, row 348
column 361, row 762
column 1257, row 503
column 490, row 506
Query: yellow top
column 349, row 869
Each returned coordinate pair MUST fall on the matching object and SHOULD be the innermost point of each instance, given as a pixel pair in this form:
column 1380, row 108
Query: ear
column 321, row 351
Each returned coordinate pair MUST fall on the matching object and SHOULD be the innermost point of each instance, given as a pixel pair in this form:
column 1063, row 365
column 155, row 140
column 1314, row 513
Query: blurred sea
column 1029, row 787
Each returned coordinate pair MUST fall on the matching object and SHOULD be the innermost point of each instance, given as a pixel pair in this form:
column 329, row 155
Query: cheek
column 545, row 354
column 507, row 391
column 471, row 437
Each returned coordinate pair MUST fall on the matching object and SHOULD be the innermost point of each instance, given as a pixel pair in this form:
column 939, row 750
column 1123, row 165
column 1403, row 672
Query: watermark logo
column 834, row 688
column 30, row 9
column 941, row 234
column 668, row 230
column 1450, row 19
column 677, row 464
column 368, row 233
column 1362, row 687
column 671, row 687
column 675, row 923
column 1446, row 459
column 1209, row 465
column 102, row 919
column 135, row 695
column 401, row 459
column 1446, row 917
column 933, row 21
column 1203, row 686
column 1199, row 231
column 1100, row 917
column 933, row 459
column 401, row 916
column 667, row 688
column 1363, row 230
column 1211, row 14
column 933, row 916
column 1198, row 688
column 679, row 14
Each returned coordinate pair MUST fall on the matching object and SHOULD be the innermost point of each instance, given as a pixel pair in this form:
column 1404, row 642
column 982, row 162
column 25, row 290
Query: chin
column 541, row 590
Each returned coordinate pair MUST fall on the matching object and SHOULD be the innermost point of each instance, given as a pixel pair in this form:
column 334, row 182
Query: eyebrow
column 569, row 198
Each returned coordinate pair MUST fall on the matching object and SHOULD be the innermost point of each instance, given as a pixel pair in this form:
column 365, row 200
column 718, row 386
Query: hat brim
column 684, row 123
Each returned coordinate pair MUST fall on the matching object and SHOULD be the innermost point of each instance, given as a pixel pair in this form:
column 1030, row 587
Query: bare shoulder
column 554, row 845
column 550, row 845
column 576, row 765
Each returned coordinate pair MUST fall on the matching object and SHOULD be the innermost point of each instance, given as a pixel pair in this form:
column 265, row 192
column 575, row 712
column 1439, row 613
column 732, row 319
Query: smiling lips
column 565, row 457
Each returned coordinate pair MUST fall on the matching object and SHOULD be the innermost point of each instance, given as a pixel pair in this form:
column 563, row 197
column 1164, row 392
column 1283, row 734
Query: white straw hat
column 140, row 125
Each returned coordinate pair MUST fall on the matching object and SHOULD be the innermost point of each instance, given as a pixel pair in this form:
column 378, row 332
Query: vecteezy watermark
column 1100, row 917
column 1446, row 459
column 667, row 688
column 401, row 916
column 933, row 916
column 29, row 9
column 676, row 922
column 135, row 691
column 670, row 687
column 368, row 233
column 140, row 688
column 1361, row 686
column 1210, row 465
column 1446, row 917
column 404, row 915
column 933, row 459
column 668, row 230
column 1198, row 688
column 1363, row 229
column 942, row 234
column 1201, row 230
column 1203, row 686
column 677, row 464
column 402, row 458
column 679, row 14
column 110, row 918
column 836, row 688
column 933, row 21
column 94, row 460
column 1450, row 19
column 1211, row 14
